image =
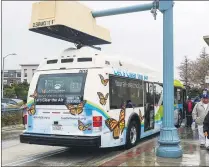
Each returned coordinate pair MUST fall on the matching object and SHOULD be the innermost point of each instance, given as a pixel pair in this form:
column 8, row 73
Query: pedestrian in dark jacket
column 206, row 125
column 189, row 108
column 129, row 104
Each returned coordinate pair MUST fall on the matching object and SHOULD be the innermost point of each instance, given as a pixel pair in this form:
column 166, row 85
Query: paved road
column 18, row 154
column 15, row 153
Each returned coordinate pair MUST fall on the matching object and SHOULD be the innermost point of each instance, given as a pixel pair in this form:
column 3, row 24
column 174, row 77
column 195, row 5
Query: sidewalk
column 145, row 153
column 11, row 132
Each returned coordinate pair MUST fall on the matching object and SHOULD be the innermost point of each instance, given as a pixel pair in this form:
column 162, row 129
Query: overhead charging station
column 69, row 21
column 76, row 23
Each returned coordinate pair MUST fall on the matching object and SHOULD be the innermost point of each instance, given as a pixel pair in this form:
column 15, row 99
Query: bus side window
column 115, row 92
column 124, row 89
column 158, row 93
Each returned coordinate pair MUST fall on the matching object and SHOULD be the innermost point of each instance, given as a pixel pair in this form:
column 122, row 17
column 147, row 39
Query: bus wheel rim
column 133, row 135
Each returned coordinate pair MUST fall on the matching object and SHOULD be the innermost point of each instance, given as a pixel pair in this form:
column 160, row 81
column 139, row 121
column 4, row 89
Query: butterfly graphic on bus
column 102, row 98
column 117, row 127
column 35, row 94
column 83, row 127
column 43, row 91
column 31, row 110
column 103, row 81
column 76, row 110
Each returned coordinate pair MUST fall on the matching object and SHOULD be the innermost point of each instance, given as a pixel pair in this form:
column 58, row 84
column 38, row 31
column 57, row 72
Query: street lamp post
column 2, row 82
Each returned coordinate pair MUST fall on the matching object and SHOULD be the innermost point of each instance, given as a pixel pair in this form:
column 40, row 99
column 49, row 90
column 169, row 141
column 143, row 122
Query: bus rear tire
column 179, row 119
column 132, row 135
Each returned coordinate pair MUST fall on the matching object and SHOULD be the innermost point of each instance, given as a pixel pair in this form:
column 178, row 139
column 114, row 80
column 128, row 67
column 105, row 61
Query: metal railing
column 11, row 116
column 10, row 109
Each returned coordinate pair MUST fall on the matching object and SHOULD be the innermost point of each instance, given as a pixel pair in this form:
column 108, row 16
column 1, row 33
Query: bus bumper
column 60, row 140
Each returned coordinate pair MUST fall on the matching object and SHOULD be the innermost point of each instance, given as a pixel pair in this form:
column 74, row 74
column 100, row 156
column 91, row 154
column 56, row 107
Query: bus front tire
column 179, row 120
column 132, row 135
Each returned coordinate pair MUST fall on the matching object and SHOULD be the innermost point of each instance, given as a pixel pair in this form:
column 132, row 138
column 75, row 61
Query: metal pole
column 2, row 82
column 169, row 139
column 123, row 10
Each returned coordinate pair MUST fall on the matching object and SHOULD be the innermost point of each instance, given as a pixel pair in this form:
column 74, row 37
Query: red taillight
column 97, row 121
column 97, row 124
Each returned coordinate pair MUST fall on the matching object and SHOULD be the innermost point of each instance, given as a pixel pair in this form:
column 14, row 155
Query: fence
column 11, row 116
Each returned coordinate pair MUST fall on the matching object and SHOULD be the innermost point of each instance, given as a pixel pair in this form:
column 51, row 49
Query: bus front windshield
column 60, row 88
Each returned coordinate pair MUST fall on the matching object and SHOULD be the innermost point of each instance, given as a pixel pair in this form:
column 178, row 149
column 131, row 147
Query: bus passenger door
column 149, row 117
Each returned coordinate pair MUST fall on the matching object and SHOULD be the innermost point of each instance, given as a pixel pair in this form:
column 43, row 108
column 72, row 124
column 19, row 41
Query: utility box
column 69, row 21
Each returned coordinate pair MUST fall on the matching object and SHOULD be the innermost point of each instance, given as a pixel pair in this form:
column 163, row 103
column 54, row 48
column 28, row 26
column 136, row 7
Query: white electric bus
column 86, row 98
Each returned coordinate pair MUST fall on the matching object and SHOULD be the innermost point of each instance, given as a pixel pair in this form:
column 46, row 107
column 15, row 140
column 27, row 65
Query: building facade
column 27, row 72
column 12, row 76
column 24, row 74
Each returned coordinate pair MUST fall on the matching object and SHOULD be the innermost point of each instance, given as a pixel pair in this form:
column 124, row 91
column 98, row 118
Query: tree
column 185, row 72
column 192, row 73
column 17, row 90
column 9, row 93
column 194, row 92
column 201, row 68
column 21, row 90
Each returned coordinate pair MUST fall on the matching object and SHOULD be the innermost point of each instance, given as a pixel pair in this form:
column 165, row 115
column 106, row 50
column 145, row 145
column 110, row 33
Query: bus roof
column 178, row 83
column 93, row 58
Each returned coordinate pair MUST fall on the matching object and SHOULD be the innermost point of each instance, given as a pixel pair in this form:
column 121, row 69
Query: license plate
column 57, row 127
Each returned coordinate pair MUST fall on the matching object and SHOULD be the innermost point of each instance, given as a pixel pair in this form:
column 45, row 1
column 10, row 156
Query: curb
column 11, row 132
column 14, row 134
column 12, row 127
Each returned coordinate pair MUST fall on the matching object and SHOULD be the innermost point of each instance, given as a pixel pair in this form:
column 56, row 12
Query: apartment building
column 27, row 72
column 12, row 76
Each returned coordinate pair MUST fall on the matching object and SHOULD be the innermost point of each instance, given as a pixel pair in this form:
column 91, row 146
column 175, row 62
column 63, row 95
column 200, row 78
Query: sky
column 135, row 35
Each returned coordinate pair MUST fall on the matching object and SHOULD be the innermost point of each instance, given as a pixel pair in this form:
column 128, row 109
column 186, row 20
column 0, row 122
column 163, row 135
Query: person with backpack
column 189, row 108
column 198, row 114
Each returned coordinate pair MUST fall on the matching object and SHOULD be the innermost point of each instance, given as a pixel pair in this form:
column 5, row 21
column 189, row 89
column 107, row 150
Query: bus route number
column 83, row 71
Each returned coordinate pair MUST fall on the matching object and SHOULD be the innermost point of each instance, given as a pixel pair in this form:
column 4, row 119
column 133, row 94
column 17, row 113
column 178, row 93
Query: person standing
column 189, row 108
column 198, row 114
column 24, row 115
column 206, row 128
column 129, row 104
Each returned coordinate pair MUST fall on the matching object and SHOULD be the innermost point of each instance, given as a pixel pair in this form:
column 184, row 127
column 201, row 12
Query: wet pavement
column 15, row 153
column 144, row 154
